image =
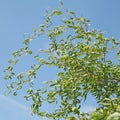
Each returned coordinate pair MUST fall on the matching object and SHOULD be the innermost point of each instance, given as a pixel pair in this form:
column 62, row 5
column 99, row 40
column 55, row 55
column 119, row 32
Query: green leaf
column 56, row 12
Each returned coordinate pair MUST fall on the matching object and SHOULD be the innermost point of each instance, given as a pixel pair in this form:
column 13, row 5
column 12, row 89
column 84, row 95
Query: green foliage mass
column 81, row 54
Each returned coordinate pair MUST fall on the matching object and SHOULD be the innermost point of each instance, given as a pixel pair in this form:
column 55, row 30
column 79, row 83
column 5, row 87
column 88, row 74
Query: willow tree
column 82, row 56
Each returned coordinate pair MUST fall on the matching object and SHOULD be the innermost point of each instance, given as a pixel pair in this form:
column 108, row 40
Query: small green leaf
column 56, row 12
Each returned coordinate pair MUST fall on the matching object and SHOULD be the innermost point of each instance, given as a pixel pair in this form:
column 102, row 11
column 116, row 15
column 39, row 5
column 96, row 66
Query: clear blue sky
column 20, row 16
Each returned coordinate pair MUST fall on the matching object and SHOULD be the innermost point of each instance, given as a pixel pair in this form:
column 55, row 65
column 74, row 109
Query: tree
column 81, row 55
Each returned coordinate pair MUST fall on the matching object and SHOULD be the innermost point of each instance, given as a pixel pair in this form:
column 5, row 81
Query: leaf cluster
column 81, row 55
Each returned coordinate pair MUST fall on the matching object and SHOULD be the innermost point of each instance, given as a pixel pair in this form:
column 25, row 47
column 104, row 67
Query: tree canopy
column 82, row 56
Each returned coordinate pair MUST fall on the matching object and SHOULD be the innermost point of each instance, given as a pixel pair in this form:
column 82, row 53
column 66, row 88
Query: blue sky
column 19, row 17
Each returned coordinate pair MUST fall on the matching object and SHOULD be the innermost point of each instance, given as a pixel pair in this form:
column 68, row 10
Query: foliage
column 81, row 55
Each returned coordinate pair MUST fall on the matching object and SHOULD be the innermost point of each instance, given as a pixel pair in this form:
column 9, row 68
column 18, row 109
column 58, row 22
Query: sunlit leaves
column 108, row 112
column 114, row 116
column 81, row 55
column 56, row 12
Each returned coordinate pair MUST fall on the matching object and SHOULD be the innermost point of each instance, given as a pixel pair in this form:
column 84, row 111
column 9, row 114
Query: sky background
column 20, row 16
